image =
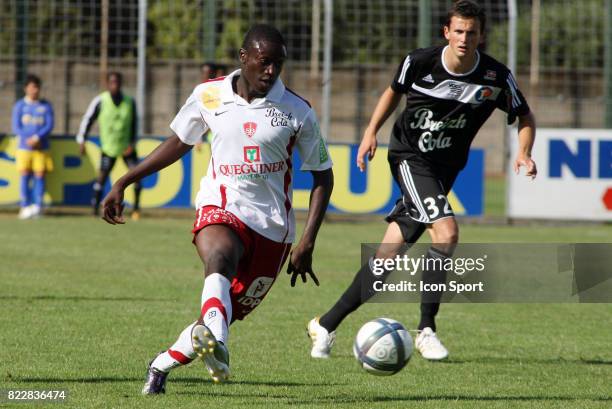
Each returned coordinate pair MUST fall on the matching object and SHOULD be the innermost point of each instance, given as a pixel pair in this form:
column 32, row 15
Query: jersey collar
column 227, row 93
column 454, row 74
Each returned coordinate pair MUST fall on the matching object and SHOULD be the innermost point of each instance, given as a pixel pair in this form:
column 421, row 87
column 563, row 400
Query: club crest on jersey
column 252, row 154
column 490, row 75
column 249, row 128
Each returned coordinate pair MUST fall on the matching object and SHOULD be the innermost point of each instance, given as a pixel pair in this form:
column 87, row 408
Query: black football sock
column 433, row 275
column 428, row 315
column 353, row 296
column 97, row 197
column 359, row 292
column 137, row 190
column 348, row 302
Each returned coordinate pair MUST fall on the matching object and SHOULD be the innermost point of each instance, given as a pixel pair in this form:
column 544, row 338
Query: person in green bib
column 117, row 122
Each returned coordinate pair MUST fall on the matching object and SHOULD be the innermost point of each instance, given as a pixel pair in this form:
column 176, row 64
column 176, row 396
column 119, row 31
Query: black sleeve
column 404, row 77
column 511, row 99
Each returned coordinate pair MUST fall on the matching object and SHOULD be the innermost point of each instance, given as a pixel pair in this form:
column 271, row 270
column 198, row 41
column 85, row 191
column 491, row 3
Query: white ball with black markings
column 383, row 346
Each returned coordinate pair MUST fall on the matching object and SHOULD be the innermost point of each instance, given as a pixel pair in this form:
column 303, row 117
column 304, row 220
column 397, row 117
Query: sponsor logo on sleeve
column 323, row 155
column 490, row 75
column 211, row 98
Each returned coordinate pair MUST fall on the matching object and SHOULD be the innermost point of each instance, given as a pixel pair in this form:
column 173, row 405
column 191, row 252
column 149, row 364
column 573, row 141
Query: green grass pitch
column 84, row 307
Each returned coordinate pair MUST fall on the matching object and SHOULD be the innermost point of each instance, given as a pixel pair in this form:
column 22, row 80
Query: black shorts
column 108, row 162
column 424, row 198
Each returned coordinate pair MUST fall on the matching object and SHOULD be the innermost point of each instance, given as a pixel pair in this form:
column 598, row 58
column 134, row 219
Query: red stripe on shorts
column 177, row 356
column 214, row 302
column 222, row 188
column 287, row 182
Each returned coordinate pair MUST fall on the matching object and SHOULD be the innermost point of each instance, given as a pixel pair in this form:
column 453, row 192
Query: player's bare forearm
column 526, row 135
column 323, row 184
column 387, row 103
column 168, row 152
column 164, row 155
column 300, row 260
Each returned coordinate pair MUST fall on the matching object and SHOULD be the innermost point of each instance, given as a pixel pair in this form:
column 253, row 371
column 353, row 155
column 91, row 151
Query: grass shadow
column 521, row 361
column 423, row 398
column 273, row 383
column 81, row 298
column 219, row 391
column 183, row 380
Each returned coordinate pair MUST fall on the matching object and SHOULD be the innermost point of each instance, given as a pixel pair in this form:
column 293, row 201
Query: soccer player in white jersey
column 244, row 223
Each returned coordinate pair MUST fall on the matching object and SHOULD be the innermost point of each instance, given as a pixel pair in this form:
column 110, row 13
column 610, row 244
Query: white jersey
column 250, row 171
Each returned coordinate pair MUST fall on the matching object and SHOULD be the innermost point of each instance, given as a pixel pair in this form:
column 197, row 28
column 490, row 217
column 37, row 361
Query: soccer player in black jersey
column 450, row 93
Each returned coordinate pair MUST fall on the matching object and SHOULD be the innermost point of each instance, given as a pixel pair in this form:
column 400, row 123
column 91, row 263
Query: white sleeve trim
column 513, row 87
column 87, row 119
column 402, row 77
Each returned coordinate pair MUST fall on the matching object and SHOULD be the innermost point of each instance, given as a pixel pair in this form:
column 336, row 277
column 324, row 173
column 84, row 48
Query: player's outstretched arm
column 526, row 135
column 168, row 152
column 387, row 103
column 300, row 260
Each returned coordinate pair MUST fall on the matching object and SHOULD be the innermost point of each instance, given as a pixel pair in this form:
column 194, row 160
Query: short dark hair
column 115, row 74
column 213, row 66
column 32, row 79
column 263, row 32
column 467, row 9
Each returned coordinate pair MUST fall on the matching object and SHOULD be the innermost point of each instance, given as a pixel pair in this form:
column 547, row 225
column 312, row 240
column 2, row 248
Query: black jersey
column 444, row 111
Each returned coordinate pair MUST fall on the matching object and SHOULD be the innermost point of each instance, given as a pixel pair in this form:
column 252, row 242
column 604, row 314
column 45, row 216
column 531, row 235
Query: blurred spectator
column 116, row 114
column 32, row 123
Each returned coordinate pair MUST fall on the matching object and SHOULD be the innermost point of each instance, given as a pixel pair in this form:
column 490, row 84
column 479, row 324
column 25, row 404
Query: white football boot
column 35, row 211
column 25, row 213
column 213, row 353
column 430, row 347
column 322, row 340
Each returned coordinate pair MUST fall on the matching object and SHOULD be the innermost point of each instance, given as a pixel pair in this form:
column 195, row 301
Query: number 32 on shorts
column 433, row 207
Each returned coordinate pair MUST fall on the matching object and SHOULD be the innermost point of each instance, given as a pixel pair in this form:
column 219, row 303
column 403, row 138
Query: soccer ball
column 383, row 346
